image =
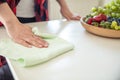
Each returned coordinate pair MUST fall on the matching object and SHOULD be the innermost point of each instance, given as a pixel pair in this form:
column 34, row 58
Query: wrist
column 10, row 23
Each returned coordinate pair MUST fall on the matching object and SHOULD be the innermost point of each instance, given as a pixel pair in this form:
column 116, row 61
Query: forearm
column 6, row 15
column 62, row 4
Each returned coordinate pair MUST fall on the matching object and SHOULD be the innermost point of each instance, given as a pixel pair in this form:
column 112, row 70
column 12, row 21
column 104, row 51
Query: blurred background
column 81, row 7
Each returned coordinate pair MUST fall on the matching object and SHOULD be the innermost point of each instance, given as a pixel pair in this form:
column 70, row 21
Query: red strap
column 2, row 61
column 1, row 24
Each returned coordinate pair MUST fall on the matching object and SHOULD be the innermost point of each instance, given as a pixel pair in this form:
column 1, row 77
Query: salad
column 107, row 16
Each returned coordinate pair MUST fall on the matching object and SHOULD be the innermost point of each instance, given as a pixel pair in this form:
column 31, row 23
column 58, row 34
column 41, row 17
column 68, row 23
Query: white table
column 94, row 57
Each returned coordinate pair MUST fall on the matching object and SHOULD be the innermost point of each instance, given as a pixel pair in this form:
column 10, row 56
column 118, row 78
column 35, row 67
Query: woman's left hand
column 69, row 15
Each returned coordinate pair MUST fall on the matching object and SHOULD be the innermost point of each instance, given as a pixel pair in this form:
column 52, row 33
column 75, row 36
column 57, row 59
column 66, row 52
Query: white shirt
column 25, row 9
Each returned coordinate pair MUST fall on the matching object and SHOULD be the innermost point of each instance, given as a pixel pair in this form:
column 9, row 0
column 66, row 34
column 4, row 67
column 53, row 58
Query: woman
column 22, row 33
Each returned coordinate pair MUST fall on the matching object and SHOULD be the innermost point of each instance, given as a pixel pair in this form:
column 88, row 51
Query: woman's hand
column 69, row 15
column 17, row 31
column 22, row 34
column 65, row 11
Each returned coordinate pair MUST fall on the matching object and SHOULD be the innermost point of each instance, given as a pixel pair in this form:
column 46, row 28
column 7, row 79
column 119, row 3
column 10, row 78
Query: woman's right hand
column 18, row 32
column 22, row 34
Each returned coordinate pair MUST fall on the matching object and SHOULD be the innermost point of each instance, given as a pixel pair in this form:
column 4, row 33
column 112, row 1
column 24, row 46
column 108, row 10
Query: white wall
column 103, row 2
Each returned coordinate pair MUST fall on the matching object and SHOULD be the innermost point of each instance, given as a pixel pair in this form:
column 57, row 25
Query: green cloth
column 32, row 56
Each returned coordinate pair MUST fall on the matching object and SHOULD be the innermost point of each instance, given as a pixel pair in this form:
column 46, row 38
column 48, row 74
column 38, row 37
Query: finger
column 24, row 43
column 76, row 18
column 32, row 42
column 35, row 42
column 41, row 41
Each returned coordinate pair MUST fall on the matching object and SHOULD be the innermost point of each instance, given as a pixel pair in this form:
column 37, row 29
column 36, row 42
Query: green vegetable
column 95, row 24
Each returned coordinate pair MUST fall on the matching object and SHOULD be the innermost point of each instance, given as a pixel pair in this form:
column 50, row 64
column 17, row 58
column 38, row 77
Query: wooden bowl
column 100, row 31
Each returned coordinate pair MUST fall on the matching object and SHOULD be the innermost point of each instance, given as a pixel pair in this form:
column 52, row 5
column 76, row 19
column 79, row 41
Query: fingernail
column 40, row 46
column 46, row 44
column 30, row 46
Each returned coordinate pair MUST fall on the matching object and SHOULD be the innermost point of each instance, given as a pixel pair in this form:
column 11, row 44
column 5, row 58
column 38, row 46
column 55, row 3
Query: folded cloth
column 33, row 56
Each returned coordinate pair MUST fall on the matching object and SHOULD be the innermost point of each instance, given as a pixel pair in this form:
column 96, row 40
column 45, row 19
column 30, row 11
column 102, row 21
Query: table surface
column 93, row 58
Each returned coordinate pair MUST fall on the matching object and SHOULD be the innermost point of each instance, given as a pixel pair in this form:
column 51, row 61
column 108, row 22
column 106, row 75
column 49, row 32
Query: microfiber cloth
column 33, row 56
